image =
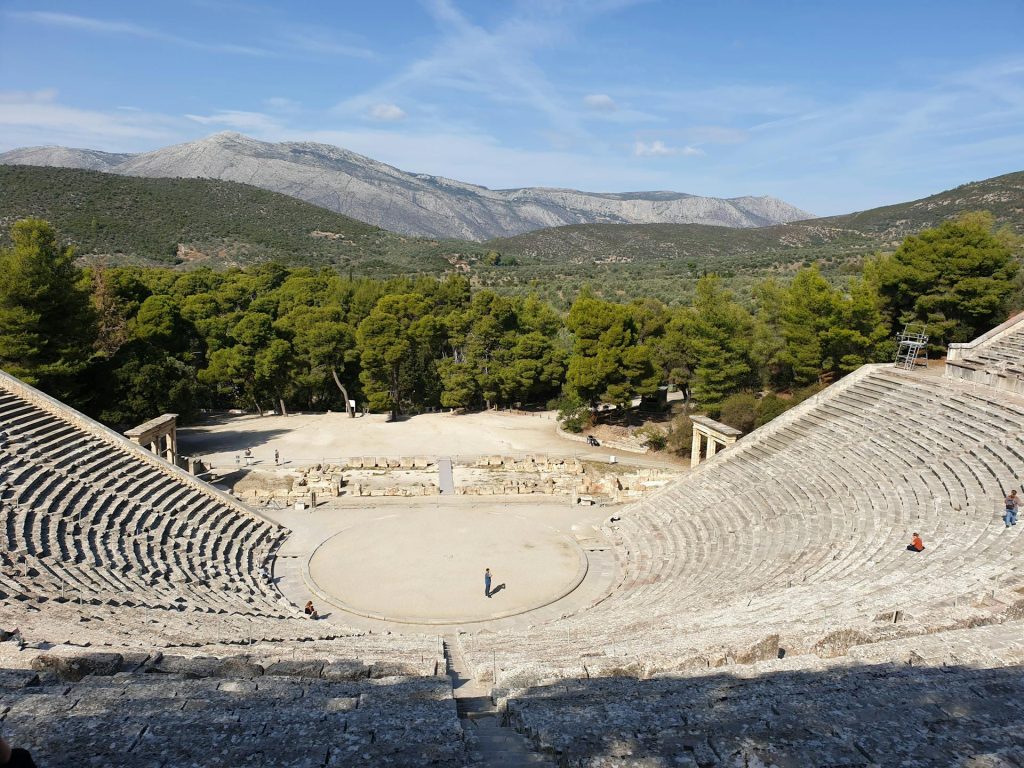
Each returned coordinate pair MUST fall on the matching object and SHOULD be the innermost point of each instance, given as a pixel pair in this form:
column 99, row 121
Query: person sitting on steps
column 310, row 611
column 915, row 545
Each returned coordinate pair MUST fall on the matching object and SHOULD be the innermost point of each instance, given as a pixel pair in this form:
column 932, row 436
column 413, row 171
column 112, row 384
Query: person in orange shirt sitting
column 916, row 545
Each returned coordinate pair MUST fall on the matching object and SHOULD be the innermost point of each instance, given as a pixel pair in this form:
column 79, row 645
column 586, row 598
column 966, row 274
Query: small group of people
column 250, row 459
column 1011, row 507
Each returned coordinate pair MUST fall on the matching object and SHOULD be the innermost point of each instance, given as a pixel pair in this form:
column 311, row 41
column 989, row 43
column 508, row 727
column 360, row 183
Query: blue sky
column 832, row 106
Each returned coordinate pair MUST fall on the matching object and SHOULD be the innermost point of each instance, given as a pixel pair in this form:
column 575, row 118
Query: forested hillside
column 189, row 222
column 664, row 260
column 186, row 222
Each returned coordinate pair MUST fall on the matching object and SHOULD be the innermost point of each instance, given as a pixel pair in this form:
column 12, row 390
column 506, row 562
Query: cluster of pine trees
column 126, row 343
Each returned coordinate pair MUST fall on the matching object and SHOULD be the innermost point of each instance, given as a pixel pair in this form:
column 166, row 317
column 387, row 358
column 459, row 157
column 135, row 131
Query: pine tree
column 47, row 326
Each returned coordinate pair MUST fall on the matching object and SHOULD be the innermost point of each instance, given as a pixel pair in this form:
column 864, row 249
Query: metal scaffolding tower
column 912, row 346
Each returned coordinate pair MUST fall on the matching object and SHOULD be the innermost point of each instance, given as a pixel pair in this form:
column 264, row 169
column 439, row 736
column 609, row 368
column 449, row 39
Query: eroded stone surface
column 189, row 718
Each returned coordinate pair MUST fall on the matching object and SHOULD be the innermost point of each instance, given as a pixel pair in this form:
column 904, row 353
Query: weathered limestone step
column 493, row 744
column 117, row 710
column 497, row 746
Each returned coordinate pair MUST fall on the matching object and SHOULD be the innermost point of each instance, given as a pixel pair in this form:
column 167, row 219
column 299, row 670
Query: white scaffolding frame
column 912, row 346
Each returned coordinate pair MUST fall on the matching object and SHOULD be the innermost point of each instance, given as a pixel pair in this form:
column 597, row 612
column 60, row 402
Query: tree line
column 127, row 343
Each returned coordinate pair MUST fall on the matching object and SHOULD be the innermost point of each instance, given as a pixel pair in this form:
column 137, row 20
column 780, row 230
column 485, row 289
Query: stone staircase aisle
column 492, row 744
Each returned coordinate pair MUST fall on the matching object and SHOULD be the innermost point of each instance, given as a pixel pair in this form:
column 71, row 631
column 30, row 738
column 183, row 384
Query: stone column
column 695, row 448
column 712, row 446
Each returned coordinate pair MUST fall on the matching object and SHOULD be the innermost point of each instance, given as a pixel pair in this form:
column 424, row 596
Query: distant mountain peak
column 409, row 203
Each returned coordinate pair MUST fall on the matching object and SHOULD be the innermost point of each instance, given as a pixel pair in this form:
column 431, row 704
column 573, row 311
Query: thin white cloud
column 495, row 63
column 317, row 42
column 386, row 113
column 282, row 104
column 130, row 29
column 33, row 118
column 658, row 148
column 600, row 102
column 717, row 134
column 256, row 122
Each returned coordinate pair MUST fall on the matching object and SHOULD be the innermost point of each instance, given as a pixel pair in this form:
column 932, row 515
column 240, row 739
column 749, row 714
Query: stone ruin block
column 763, row 650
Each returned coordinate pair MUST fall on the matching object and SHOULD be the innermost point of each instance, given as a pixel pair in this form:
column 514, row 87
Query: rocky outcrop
column 408, row 203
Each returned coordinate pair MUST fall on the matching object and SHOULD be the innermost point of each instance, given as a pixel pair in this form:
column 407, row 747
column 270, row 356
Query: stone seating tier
column 902, row 711
column 89, row 516
column 800, row 531
column 147, row 709
column 757, row 579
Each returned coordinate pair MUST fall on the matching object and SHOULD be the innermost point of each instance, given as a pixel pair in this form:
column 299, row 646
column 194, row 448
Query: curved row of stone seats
column 150, row 709
column 994, row 359
column 901, row 709
column 1004, row 352
column 800, row 531
column 87, row 515
column 95, row 625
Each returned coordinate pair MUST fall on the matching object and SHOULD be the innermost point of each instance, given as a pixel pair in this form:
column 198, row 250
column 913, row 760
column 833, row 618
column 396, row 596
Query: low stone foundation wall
column 388, row 462
column 413, row 476
column 304, row 486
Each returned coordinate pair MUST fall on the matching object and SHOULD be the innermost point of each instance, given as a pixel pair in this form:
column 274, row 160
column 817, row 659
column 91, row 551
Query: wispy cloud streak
column 130, row 29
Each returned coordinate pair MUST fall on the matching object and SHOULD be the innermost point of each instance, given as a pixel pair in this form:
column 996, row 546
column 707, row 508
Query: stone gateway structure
column 159, row 435
column 759, row 611
column 714, row 433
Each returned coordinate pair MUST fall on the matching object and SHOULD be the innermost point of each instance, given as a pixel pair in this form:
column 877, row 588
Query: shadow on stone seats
column 866, row 715
column 872, row 715
column 235, row 718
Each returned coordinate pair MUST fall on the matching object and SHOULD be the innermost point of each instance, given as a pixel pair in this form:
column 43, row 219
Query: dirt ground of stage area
column 309, row 438
column 419, row 562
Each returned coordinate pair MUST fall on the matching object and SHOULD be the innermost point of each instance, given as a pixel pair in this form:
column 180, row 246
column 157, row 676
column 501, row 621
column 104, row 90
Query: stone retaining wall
column 618, row 445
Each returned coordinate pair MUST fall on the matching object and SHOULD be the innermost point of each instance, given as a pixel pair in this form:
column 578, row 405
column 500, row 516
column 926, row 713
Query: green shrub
column 680, row 435
column 739, row 411
column 653, row 437
column 573, row 414
column 769, row 407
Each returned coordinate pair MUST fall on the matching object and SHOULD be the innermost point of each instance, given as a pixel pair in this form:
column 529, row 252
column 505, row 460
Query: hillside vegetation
column 724, row 247
column 189, row 222
column 215, row 223
column 664, row 260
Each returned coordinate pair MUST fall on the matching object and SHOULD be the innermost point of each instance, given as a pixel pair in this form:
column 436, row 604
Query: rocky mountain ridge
column 408, row 203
